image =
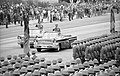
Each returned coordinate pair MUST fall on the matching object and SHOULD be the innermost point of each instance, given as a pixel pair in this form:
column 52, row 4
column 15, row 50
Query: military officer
column 82, row 51
column 75, row 49
column 103, row 56
column 97, row 51
column 56, row 29
column 87, row 53
column 117, row 56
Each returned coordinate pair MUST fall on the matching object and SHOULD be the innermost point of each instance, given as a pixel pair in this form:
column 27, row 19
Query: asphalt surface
column 82, row 28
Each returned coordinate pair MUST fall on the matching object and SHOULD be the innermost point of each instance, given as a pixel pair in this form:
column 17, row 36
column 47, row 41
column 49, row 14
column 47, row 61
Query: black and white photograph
column 59, row 37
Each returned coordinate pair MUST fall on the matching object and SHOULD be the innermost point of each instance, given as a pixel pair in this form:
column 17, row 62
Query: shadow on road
column 50, row 50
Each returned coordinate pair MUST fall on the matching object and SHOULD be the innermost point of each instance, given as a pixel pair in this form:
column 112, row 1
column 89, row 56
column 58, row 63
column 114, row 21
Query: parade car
column 54, row 40
column 33, row 34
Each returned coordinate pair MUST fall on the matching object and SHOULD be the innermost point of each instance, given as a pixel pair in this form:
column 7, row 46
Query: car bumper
column 46, row 47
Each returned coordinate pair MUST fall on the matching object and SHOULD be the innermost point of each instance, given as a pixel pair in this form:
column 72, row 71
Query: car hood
column 30, row 36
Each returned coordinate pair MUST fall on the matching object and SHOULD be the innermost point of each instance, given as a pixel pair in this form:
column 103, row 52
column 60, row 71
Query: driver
column 56, row 29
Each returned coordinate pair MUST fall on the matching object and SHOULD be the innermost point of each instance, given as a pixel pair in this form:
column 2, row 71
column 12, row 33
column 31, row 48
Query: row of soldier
column 103, row 48
column 22, row 65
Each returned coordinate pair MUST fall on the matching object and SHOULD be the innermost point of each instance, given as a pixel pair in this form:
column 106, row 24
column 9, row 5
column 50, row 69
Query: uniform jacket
column 88, row 53
column 56, row 29
column 103, row 53
column 75, row 52
column 117, row 55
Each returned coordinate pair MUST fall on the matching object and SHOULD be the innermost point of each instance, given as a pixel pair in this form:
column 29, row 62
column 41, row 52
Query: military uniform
column 75, row 52
column 82, row 50
column 117, row 56
column 92, row 52
column 88, row 53
column 103, row 56
column 56, row 30
column 95, row 52
column 98, row 47
column 76, row 48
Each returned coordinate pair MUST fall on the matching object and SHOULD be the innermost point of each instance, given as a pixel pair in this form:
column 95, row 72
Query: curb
column 12, row 25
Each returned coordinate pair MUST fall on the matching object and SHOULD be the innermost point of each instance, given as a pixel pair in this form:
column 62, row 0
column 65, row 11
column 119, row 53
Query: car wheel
column 39, row 49
column 21, row 45
column 58, row 48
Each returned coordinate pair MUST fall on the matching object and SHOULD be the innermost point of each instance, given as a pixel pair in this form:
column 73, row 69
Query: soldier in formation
column 78, row 51
column 117, row 56
column 104, row 49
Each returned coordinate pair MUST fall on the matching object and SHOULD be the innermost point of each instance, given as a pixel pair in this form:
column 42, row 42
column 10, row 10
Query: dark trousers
column 15, row 22
column 21, row 23
column 6, row 25
column 69, row 18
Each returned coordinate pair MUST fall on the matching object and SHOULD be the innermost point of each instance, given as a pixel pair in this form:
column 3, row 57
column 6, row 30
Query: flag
column 26, row 34
column 112, row 21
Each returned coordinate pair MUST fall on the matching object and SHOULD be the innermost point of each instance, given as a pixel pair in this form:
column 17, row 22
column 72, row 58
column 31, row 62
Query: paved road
column 82, row 28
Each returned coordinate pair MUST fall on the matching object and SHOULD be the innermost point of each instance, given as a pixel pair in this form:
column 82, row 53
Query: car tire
column 21, row 45
column 58, row 48
column 39, row 49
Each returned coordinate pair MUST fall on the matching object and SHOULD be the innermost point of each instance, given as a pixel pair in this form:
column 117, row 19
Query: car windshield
column 50, row 35
column 34, row 32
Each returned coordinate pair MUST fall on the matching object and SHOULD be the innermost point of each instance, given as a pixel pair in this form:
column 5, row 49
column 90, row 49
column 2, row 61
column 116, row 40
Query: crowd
column 97, row 56
column 12, row 13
